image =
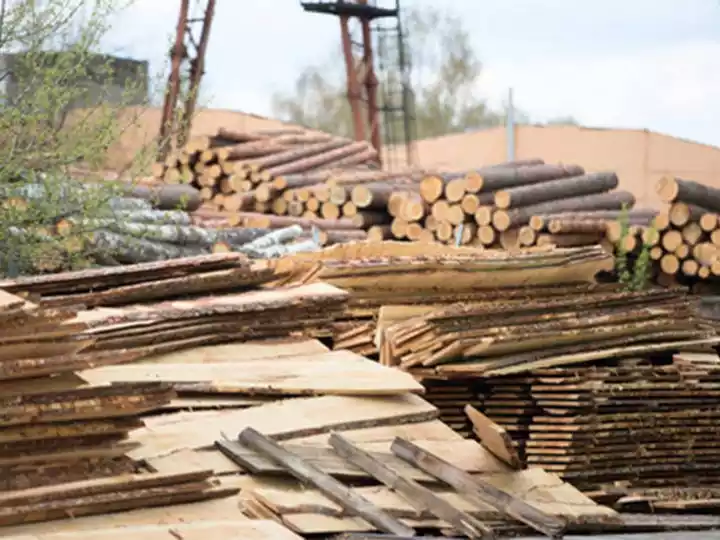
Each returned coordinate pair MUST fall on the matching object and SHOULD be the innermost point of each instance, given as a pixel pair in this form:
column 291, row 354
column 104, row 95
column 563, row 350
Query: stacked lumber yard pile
column 586, row 378
column 514, row 205
column 272, row 179
column 129, row 406
column 685, row 241
column 185, row 302
column 359, row 452
column 64, row 444
column 392, row 281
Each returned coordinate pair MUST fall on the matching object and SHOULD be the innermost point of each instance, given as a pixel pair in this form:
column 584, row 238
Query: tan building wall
column 639, row 157
column 142, row 125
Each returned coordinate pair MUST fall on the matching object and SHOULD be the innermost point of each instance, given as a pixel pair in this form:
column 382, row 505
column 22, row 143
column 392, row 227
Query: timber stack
column 315, row 180
column 278, row 178
column 185, row 302
column 516, row 205
column 685, row 240
column 132, row 224
column 65, row 443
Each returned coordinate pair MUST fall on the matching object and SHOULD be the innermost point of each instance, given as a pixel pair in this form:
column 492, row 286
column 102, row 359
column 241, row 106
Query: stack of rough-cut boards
column 395, row 280
column 518, row 330
column 647, row 428
column 367, row 403
column 186, row 303
column 63, row 442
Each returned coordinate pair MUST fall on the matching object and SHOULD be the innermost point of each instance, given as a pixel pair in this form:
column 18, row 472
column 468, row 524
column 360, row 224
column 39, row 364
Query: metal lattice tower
column 378, row 74
column 187, row 53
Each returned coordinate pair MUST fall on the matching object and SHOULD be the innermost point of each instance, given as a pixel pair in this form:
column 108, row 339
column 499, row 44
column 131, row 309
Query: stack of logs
column 274, row 179
column 279, row 178
column 516, row 205
column 685, row 239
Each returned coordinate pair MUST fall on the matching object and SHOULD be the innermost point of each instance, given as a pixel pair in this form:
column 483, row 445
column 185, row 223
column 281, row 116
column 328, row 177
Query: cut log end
column 667, row 189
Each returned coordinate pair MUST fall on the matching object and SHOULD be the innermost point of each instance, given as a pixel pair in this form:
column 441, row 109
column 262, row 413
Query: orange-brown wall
column 142, row 125
column 639, row 157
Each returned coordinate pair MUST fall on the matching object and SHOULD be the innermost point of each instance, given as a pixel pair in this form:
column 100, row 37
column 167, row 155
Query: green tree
column 445, row 77
column 58, row 110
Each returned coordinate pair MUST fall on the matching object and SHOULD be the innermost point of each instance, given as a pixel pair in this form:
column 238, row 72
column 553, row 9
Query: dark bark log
column 505, row 178
column 673, row 190
column 318, row 160
column 562, row 188
column 504, row 220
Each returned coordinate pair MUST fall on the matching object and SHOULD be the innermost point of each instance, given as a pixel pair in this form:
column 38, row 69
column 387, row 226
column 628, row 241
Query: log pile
column 151, row 223
column 511, row 205
column 279, row 178
column 685, row 242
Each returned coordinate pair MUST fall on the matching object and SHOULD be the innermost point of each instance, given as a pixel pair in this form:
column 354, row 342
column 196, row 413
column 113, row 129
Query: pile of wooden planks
column 144, row 282
column 520, row 330
column 180, row 324
column 396, row 280
column 685, row 240
column 54, row 428
column 105, row 495
column 642, row 430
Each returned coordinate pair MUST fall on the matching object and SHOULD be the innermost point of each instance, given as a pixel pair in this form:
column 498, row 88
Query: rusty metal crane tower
column 187, row 53
column 377, row 69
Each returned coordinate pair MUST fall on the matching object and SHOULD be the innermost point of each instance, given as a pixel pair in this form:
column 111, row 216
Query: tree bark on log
column 129, row 250
column 317, row 160
column 561, row 188
column 505, row 178
column 296, row 154
column 175, row 217
column 673, row 190
column 277, row 236
column 250, row 219
column 166, row 196
column 504, row 220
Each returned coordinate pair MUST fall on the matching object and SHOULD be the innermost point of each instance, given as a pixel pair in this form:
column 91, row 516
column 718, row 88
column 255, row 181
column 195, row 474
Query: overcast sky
column 615, row 63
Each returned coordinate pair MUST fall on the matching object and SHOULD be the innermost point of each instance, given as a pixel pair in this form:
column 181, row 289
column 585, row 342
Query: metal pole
column 167, row 123
column 510, row 127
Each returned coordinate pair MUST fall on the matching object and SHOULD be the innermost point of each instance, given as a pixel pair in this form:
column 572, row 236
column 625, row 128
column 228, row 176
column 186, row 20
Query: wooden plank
column 493, row 437
column 211, row 510
column 421, row 497
column 236, row 529
column 433, row 430
column 323, row 459
column 283, row 420
column 477, row 489
column 328, row 485
column 332, row 373
column 242, row 352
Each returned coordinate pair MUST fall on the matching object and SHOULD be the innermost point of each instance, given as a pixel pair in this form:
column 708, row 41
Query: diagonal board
column 493, row 437
column 336, row 372
column 283, row 420
column 349, row 499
